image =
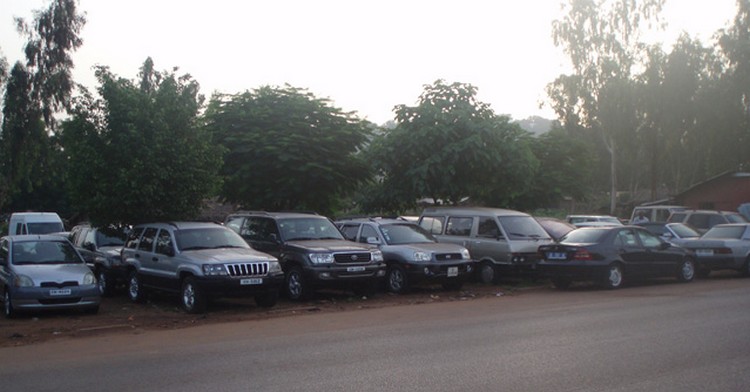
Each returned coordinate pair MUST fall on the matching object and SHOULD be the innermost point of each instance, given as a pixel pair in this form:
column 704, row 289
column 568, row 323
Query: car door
column 262, row 234
column 662, row 258
column 350, row 231
column 144, row 254
column 165, row 260
column 629, row 249
column 5, row 262
column 489, row 241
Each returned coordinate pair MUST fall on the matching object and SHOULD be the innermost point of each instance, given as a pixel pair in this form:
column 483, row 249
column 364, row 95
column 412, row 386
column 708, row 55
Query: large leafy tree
column 448, row 147
column 138, row 153
column 287, row 149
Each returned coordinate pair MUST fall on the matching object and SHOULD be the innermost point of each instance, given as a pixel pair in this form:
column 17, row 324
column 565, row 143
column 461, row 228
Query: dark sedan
column 610, row 255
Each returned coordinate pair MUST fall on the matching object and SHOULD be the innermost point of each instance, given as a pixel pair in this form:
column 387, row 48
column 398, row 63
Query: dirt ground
column 162, row 312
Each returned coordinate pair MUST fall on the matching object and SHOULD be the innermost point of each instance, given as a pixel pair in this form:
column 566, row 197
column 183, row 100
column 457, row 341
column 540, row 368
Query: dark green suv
column 312, row 252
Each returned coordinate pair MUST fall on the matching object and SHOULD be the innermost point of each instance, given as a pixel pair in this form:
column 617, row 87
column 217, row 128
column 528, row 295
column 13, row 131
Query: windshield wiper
column 196, row 248
column 226, row 246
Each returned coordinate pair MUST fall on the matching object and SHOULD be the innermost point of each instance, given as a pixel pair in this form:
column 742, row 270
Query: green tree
column 139, row 154
column 287, row 149
column 602, row 40
column 449, row 147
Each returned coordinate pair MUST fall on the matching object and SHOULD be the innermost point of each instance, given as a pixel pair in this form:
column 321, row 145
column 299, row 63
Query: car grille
column 355, row 257
column 247, row 269
column 59, row 285
column 448, row 256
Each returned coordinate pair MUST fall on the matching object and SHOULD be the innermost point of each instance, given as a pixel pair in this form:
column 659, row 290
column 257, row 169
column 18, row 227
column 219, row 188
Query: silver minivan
column 501, row 241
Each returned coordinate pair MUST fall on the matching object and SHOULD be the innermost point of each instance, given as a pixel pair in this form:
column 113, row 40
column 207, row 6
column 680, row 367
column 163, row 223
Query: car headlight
column 465, row 254
column 89, row 278
column 321, row 258
column 274, row 267
column 23, row 281
column 377, row 256
column 422, row 256
column 214, row 270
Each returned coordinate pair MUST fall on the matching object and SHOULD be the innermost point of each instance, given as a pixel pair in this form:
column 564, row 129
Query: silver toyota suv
column 199, row 261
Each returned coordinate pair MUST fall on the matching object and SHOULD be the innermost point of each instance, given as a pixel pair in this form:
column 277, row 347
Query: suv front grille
column 448, row 256
column 247, row 269
column 354, row 257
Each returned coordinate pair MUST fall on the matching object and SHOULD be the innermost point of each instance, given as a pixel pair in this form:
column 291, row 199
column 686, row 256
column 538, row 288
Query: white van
column 655, row 213
column 35, row 223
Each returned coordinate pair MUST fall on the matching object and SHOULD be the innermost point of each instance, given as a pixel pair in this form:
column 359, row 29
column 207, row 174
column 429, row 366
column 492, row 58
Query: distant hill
column 536, row 125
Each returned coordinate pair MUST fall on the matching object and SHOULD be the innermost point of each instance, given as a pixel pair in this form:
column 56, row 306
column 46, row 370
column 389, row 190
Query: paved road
column 668, row 337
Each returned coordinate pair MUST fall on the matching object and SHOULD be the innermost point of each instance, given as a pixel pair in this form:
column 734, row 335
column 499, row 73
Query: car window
column 488, row 228
column 308, row 229
column 44, row 252
column 735, row 218
column 133, row 238
column 677, row 217
column 367, row 232
column 164, row 243
column 626, row 238
column 700, row 221
column 90, row 237
column 648, row 239
column 522, row 227
column 235, row 223
column 683, row 231
column 208, row 238
column 459, row 226
column 147, row 241
column 662, row 214
column 350, row 231
column 110, row 236
column 45, row 227
column 434, row 225
column 584, row 236
column 260, row 229
column 728, row 232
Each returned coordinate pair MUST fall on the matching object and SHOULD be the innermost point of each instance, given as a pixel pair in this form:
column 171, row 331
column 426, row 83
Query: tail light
column 582, row 255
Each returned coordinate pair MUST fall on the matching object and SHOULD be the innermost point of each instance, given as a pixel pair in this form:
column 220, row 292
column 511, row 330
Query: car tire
column 104, row 282
column 686, row 270
column 297, row 288
column 136, row 291
column 561, row 283
column 192, row 297
column 488, row 273
column 8, row 305
column 396, row 279
column 613, row 278
column 267, row 300
column 453, row 285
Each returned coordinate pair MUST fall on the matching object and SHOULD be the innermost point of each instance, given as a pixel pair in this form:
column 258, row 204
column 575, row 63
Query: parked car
column 501, row 241
column 592, row 220
column 675, row 233
column 312, row 252
column 35, row 223
column 556, row 228
column 411, row 254
column 702, row 220
column 724, row 246
column 42, row 272
column 200, row 261
column 612, row 255
column 101, row 248
column 655, row 213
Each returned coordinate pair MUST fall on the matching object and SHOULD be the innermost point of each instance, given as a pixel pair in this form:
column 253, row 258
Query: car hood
column 53, row 272
column 329, row 246
column 226, row 255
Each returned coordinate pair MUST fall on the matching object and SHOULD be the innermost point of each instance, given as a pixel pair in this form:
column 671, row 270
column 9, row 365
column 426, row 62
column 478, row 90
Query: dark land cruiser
column 411, row 253
column 312, row 252
column 199, row 261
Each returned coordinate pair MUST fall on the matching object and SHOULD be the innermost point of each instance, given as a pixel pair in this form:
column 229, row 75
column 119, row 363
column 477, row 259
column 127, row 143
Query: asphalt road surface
column 654, row 337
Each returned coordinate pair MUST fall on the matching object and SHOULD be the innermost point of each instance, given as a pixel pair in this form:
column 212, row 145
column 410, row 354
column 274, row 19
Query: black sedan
column 610, row 255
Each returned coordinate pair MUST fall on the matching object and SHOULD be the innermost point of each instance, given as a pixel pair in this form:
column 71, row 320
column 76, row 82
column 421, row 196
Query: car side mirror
column 373, row 240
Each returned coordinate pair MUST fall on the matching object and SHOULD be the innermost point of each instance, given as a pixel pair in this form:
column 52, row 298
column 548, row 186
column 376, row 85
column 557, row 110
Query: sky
column 366, row 56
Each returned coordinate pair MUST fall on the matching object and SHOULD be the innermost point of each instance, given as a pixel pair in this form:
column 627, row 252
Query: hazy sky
column 367, row 56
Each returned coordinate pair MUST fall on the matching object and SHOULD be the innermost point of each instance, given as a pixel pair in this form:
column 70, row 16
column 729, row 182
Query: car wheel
column 104, row 282
column 136, row 292
column 8, row 305
column 686, row 272
column 453, row 285
column 487, row 273
column 613, row 279
column 193, row 300
column 296, row 287
column 396, row 279
column 267, row 300
column 561, row 283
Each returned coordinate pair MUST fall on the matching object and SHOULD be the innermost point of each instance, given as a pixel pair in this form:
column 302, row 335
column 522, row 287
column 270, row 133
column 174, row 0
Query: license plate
column 60, row 292
column 355, row 269
column 249, row 281
column 556, row 256
column 452, row 271
column 704, row 252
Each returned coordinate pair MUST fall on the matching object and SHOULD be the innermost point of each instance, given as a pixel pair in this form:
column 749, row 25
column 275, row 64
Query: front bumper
column 719, row 262
column 325, row 275
column 46, row 298
column 439, row 272
column 225, row 286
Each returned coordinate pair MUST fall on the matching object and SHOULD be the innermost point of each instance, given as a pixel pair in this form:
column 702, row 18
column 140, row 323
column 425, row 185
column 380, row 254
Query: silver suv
column 199, row 261
column 702, row 220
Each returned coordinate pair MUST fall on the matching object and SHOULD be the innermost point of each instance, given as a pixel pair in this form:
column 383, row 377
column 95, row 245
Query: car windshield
column 44, row 252
column 735, row 218
column 522, row 228
column 683, row 231
column 45, row 227
column 110, row 237
column 208, row 238
column 584, row 236
column 305, row 229
column 402, row 233
column 731, row 232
